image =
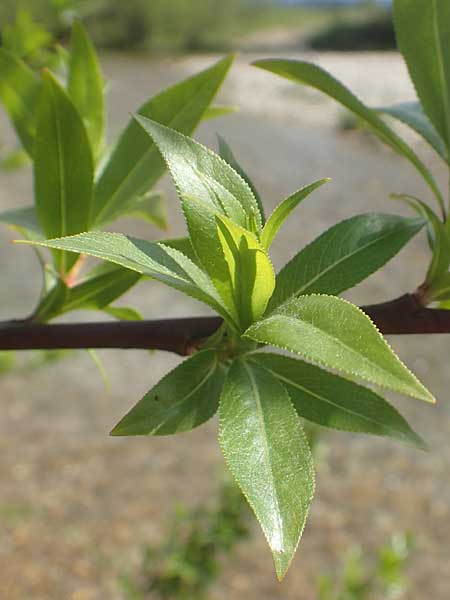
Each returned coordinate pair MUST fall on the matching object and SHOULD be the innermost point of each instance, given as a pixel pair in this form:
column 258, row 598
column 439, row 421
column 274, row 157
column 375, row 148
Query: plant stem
column 403, row 315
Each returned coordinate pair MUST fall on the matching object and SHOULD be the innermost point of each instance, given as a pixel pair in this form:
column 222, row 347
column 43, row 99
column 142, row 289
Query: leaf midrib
column 266, row 451
column 340, row 343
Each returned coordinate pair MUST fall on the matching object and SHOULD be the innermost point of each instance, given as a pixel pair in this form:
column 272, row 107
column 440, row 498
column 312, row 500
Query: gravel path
column 76, row 505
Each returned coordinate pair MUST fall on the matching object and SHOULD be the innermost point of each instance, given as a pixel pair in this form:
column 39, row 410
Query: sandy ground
column 76, row 506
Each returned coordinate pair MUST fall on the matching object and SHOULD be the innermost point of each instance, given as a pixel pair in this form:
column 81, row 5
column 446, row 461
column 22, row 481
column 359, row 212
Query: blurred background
column 88, row 517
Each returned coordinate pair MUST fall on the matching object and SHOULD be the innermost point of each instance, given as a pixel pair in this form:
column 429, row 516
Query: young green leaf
column 344, row 255
column 201, row 174
column 85, row 86
column 251, row 273
column 411, row 114
column 19, row 93
column 185, row 398
column 331, row 401
column 336, row 334
column 63, row 168
column 161, row 262
column 283, row 210
column 310, row 74
column 205, row 241
column 227, row 154
column 266, row 450
column 426, row 50
column 135, row 163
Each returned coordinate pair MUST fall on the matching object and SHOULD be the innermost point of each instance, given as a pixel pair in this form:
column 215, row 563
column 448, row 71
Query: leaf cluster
column 338, row 360
column 80, row 184
column 423, row 37
column 262, row 397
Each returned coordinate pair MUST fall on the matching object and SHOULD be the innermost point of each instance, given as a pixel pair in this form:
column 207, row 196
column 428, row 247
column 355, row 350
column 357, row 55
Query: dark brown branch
column 180, row 336
column 404, row 315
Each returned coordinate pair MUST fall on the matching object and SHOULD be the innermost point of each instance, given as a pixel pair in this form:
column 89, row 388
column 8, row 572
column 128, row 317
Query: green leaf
column 440, row 260
column 423, row 36
column 251, row 273
column 99, row 291
column 135, row 164
column 85, row 86
column 411, row 114
column 19, row 92
column 24, row 218
column 150, row 207
column 283, row 210
column 218, row 110
column 50, row 305
column 185, row 398
column 205, row 241
column 266, row 450
column 183, row 245
column 201, row 174
column 123, row 313
column 336, row 334
column 331, row 401
column 160, row 262
column 316, row 77
column 63, row 168
column 344, row 255
column 227, row 154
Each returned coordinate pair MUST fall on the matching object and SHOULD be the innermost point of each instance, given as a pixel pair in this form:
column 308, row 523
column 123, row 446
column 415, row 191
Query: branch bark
column 404, row 315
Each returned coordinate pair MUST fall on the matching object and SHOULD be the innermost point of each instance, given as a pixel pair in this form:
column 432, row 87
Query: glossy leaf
column 411, row 114
column 85, row 86
column 344, row 255
column 161, row 262
column 331, row 401
column 185, row 398
column 266, row 450
column 19, row 93
column 201, row 174
column 423, row 36
column 316, row 77
column 63, row 168
column 251, row 273
column 135, row 165
column 227, row 154
column 336, row 334
column 283, row 210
